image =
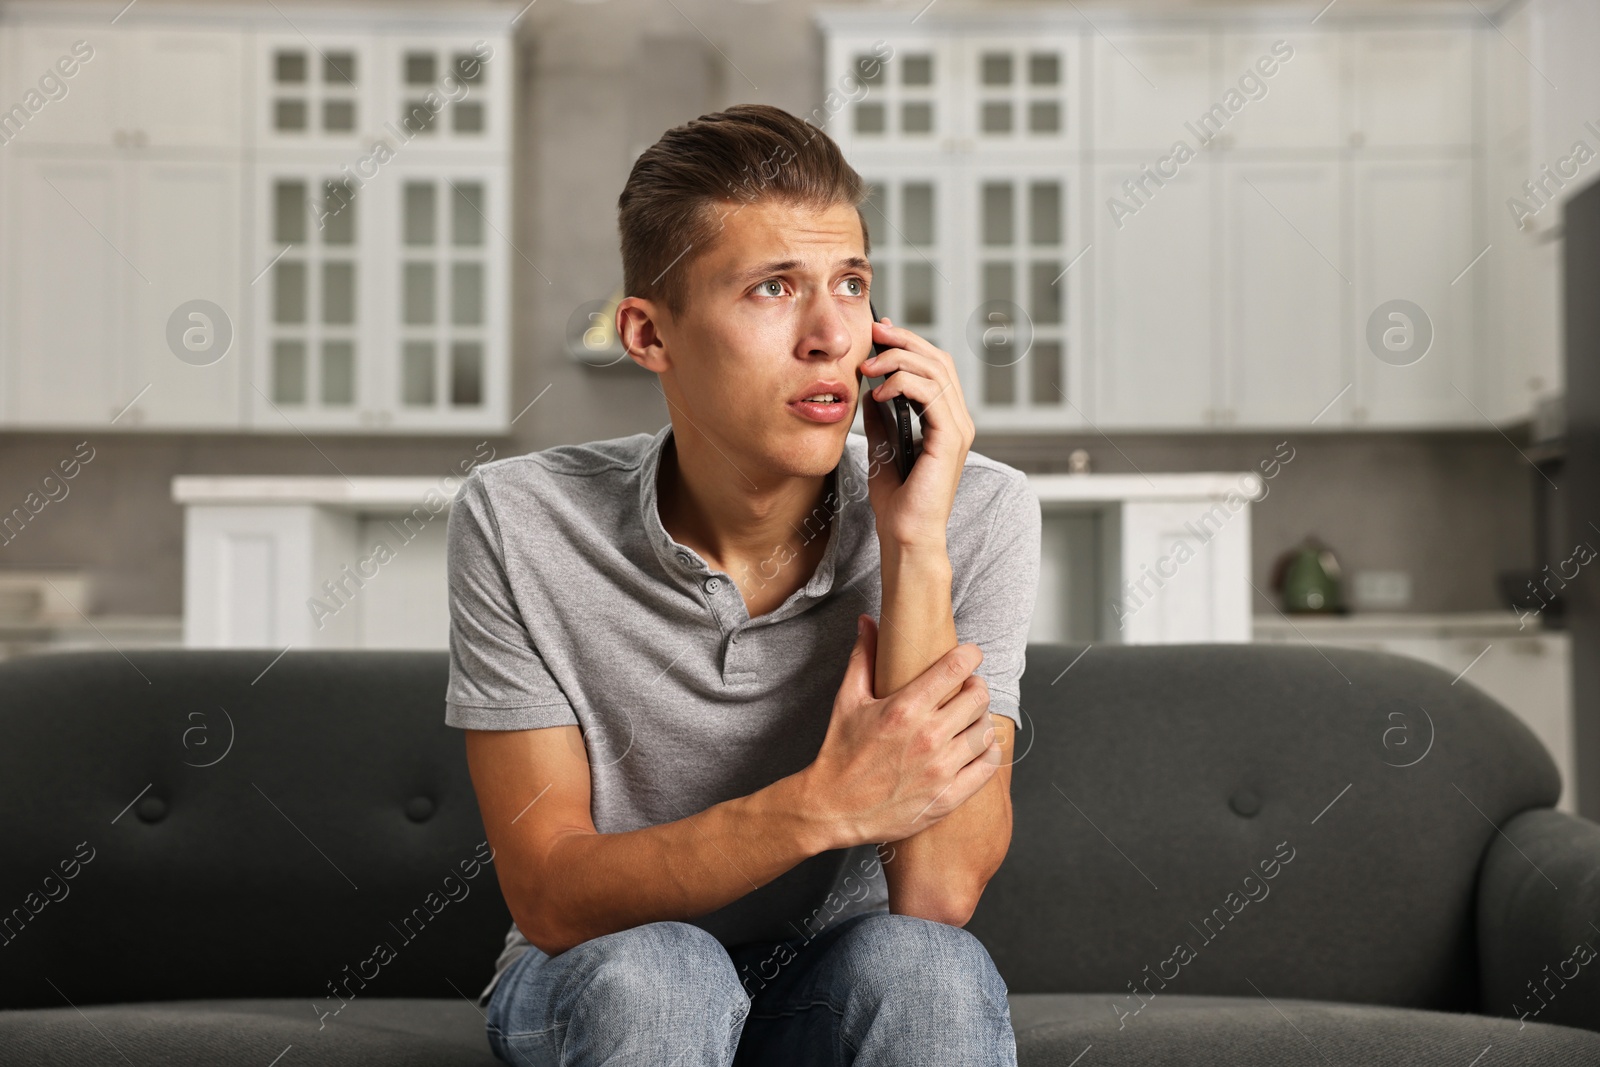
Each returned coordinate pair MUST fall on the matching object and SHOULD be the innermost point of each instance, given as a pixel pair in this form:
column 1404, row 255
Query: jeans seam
column 793, row 1009
column 526, row 1033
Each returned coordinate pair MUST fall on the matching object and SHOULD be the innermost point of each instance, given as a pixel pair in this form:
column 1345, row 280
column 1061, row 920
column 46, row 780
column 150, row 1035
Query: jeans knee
column 659, row 965
column 893, row 953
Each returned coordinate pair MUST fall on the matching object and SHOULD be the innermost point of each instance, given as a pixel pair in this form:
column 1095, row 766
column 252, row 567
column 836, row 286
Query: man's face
column 777, row 312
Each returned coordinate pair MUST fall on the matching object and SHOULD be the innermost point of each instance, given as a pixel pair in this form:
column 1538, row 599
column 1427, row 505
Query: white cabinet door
column 1285, row 296
column 316, row 344
column 86, row 108
column 1021, row 94
column 187, row 89
column 443, row 283
column 1413, row 241
column 186, row 240
column 1147, row 87
column 892, row 91
column 1154, row 304
column 157, row 88
column 910, row 220
column 448, row 92
column 1411, row 88
column 1019, row 337
column 1289, row 102
column 70, row 273
column 320, row 91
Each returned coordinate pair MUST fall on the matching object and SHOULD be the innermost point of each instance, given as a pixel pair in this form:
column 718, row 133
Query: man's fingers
column 863, row 660
column 945, row 675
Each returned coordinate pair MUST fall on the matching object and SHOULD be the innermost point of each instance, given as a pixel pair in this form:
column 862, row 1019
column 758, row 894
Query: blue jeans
column 871, row 990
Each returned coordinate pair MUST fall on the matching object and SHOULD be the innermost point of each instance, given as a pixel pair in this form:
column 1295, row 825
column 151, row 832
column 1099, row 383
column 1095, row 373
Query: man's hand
column 890, row 767
column 918, row 511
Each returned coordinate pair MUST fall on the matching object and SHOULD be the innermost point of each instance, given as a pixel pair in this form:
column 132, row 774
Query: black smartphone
column 901, row 418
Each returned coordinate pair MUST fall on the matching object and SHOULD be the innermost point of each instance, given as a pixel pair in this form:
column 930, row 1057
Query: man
column 688, row 738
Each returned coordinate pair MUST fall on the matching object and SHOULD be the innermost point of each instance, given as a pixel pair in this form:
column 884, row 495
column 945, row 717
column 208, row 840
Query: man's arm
column 564, row 883
column 938, row 873
column 874, row 779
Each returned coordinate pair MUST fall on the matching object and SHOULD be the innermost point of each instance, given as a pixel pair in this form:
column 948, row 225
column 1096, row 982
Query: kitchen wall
column 599, row 81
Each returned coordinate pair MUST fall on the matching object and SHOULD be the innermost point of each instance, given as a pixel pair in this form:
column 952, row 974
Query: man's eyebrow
column 784, row 266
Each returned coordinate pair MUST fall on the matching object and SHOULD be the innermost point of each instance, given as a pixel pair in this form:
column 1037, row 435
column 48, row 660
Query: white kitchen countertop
column 1374, row 625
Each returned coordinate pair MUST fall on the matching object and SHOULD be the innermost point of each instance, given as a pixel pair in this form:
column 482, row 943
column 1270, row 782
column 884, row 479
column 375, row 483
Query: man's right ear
column 638, row 328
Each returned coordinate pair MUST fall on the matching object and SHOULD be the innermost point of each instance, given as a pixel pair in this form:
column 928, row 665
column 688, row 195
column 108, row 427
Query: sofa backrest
column 1252, row 820
column 223, row 823
column 208, row 823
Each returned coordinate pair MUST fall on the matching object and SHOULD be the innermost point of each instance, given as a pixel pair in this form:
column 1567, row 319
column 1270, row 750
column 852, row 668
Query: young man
column 731, row 815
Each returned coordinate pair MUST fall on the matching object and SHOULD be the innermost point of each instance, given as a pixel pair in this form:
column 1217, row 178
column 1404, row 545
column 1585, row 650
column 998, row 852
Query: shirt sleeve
column 498, row 680
column 993, row 601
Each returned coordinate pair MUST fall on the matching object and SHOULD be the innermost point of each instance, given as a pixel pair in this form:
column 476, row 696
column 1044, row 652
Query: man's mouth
column 826, row 402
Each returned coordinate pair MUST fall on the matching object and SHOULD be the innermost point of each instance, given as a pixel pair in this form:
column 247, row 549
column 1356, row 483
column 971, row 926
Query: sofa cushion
column 1052, row 1031
column 227, row 822
column 201, row 1033
column 1153, row 783
column 1182, row 1030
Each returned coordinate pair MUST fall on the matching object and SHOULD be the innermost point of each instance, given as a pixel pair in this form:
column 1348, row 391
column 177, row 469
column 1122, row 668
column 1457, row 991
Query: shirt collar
column 848, row 484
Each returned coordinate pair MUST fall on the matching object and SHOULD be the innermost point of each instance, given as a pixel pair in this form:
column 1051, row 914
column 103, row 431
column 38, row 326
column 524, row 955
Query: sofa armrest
column 1539, row 920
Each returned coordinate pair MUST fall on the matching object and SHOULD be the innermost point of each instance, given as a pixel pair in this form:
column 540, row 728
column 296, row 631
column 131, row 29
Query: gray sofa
column 205, row 850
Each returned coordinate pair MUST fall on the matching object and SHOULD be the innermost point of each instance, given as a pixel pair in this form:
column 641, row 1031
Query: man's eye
column 859, row 284
column 773, row 282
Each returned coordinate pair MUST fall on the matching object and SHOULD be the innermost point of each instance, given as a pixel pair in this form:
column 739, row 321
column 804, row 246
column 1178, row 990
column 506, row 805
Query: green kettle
column 1308, row 579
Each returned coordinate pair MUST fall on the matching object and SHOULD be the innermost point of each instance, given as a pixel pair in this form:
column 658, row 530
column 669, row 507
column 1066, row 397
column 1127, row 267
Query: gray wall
column 598, row 81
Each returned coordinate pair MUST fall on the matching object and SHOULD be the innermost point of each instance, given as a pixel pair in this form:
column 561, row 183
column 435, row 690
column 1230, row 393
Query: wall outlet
column 1381, row 590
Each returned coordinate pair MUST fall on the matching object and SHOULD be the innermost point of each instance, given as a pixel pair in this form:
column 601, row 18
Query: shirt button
column 734, row 640
column 713, row 584
column 683, row 558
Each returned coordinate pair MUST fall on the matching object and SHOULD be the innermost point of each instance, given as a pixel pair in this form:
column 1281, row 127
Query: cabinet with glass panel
column 383, row 213
column 971, row 145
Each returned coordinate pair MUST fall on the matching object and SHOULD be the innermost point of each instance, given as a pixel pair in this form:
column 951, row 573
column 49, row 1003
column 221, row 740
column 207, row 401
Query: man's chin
column 812, row 453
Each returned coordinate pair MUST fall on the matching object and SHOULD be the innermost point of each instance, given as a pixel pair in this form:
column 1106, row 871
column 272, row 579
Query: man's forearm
column 674, row 870
column 939, row 872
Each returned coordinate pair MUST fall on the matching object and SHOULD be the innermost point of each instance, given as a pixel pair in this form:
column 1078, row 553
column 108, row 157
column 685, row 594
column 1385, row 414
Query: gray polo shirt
column 571, row 604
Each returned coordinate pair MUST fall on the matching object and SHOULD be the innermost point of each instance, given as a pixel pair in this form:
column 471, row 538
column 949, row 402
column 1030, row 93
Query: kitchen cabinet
column 1154, row 307
column 336, row 191
column 447, row 363
column 1411, row 244
column 127, row 241
column 1147, row 86
column 314, row 303
column 316, row 90
column 64, row 364
column 894, row 92
column 1284, row 356
column 1298, row 106
column 974, row 206
column 1410, row 89
column 155, row 88
column 185, row 237
column 906, row 217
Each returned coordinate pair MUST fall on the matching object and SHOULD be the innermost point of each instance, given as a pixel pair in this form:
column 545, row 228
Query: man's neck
column 741, row 522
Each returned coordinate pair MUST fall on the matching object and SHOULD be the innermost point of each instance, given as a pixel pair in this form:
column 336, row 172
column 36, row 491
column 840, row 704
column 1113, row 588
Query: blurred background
column 1288, row 309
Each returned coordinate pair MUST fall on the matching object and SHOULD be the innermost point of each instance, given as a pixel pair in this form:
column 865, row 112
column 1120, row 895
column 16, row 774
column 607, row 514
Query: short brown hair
column 668, row 214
